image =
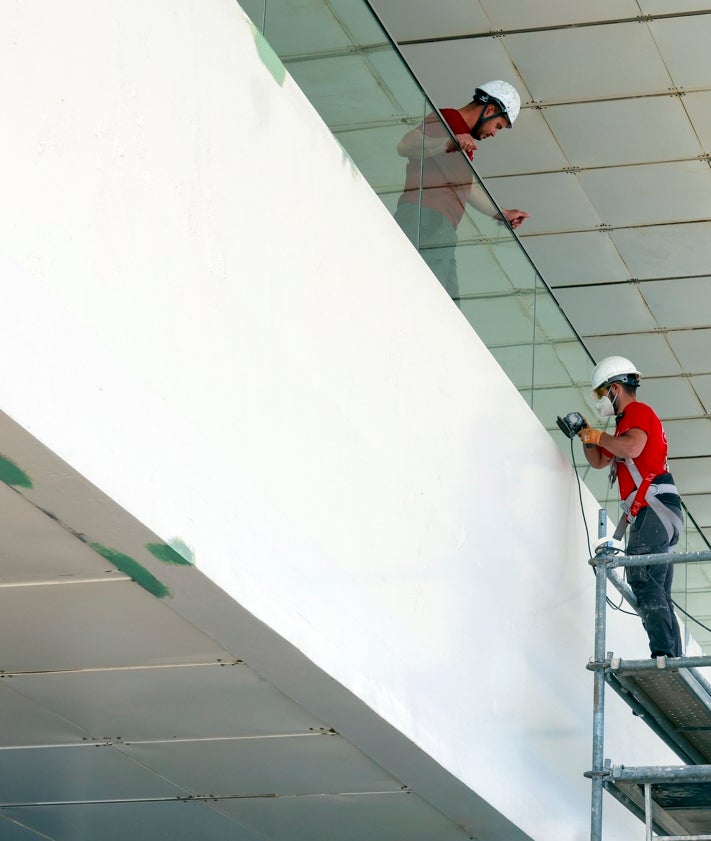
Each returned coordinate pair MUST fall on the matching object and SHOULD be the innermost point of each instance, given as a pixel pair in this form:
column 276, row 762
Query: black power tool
column 571, row 424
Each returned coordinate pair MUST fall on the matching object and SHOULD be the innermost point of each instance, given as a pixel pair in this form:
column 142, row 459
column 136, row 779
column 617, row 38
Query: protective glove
column 590, row 437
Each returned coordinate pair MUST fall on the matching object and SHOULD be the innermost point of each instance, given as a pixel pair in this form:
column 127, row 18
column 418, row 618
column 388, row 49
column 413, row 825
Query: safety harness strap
column 647, row 491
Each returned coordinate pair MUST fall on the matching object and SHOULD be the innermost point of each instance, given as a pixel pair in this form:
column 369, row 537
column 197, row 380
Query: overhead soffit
column 123, row 719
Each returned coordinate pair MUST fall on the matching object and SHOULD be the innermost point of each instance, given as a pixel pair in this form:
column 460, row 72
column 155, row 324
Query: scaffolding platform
column 676, row 703
column 672, row 696
column 677, row 809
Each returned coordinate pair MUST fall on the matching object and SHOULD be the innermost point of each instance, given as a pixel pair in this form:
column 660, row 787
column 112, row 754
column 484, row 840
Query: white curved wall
column 209, row 314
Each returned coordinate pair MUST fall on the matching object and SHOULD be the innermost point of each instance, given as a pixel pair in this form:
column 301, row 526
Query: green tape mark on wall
column 11, row 474
column 178, row 553
column 269, row 58
column 133, row 569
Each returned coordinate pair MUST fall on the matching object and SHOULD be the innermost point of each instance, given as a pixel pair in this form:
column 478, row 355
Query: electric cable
column 689, row 616
column 587, row 531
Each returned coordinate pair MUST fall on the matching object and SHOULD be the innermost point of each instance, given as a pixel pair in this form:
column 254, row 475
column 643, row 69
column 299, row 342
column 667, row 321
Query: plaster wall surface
column 209, row 314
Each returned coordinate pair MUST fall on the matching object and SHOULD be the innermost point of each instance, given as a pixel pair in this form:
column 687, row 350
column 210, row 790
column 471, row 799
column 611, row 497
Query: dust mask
column 605, row 407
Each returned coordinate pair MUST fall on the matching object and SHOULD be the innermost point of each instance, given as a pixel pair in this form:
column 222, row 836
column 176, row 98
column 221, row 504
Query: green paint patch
column 269, row 58
column 178, row 553
column 11, row 474
column 133, row 569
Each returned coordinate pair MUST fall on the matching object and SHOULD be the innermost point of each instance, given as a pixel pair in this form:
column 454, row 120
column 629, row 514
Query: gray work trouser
column 652, row 584
column 437, row 242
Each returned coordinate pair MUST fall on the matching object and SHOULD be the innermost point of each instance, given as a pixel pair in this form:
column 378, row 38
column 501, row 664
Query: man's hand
column 515, row 218
column 590, row 437
column 465, row 142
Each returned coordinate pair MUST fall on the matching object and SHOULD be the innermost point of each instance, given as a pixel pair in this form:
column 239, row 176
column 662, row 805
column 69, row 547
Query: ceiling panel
column 284, row 30
column 369, row 147
column 549, row 403
column 684, row 43
column 520, row 14
column 619, row 308
column 82, row 772
column 679, row 303
column 700, row 506
column 551, row 324
column 358, row 21
column 479, row 271
column 589, row 133
column 666, row 250
column 23, row 722
column 57, row 554
column 660, row 7
column 691, row 474
column 692, row 348
column 689, row 580
column 515, row 263
column 112, row 624
column 517, row 360
column 689, row 437
column 344, row 90
column 10, row 830
column 446, row 17
column 659, row 361
column 671, row 397
column 392, row 817
column 646, row 194
column 289, row 765
column 576, row 259
column 702, row 385
column 576, row 361
column 159, row 821
column 567, row 207
column 502, row 321
column 209, row 701
column 590, row 62
column 698, row 106
column 402, row 91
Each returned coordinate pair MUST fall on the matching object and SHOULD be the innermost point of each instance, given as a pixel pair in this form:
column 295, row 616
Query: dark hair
column 629, row 388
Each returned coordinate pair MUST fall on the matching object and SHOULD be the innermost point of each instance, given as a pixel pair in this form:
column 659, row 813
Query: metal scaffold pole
column 598, row 749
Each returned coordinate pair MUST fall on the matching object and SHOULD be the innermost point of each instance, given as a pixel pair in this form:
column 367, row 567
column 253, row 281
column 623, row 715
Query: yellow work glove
column 590, row 437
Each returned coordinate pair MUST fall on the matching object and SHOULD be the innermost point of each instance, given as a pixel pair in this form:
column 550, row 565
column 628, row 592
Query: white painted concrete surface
column 209, row 314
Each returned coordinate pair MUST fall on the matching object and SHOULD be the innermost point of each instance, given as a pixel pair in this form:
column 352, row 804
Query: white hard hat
column 506, row 95
column 614, row 369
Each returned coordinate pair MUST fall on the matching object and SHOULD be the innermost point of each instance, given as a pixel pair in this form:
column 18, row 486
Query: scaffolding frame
column 603, row 665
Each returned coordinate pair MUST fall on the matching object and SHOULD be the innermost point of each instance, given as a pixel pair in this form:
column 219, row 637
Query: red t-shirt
column 653, row 458
column 446, row 179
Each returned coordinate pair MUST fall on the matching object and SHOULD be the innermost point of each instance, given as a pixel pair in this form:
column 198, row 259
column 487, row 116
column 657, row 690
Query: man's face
column 493, row 126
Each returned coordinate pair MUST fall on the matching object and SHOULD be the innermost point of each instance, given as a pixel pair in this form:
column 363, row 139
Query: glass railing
column 356, row 78
column 340, row 56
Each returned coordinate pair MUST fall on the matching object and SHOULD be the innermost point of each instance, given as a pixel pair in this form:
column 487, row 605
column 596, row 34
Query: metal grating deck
column 676, row 703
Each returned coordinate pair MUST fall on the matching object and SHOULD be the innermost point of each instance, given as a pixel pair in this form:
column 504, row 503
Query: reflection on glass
column 440, row 184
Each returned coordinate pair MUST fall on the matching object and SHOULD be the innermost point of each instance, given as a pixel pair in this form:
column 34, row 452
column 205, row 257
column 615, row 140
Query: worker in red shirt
column 439, row 181
column 637, row 457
